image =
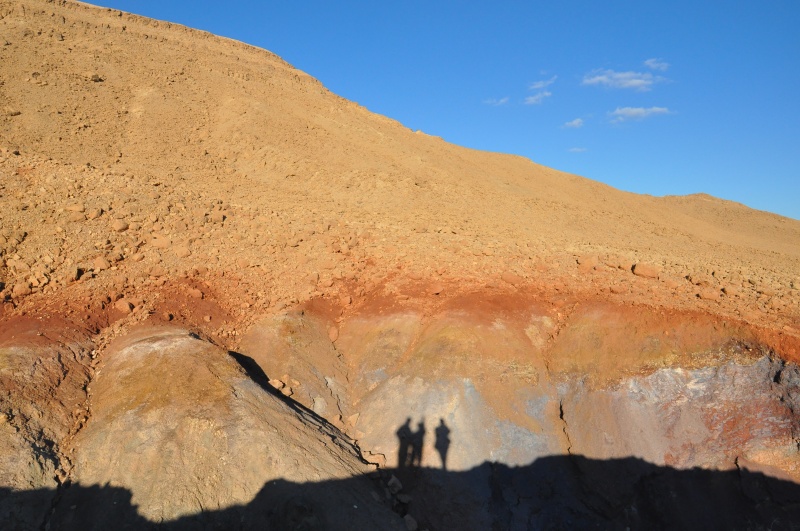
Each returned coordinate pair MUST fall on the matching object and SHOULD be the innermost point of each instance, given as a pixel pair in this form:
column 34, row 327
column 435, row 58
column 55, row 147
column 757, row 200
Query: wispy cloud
column 657, row 64
column 577, row 150
column 538, row 98
column 640, row 81
column 494, row 102
column 539, row 85
column 622, row 114
column 574, row 124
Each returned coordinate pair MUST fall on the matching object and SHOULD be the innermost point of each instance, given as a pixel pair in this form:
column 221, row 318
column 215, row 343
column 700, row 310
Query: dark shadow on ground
column 558, row 492
column 258, row 376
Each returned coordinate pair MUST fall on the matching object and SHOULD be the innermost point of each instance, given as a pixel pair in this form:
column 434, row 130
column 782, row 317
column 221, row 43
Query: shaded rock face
column 42, row 404
column 191, row 432
column 177, row 428
column 296, row 351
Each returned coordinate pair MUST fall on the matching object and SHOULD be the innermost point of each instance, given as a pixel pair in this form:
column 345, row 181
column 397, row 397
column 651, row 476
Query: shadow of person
column 416, row 444
column 442, row 441
column 404, row 436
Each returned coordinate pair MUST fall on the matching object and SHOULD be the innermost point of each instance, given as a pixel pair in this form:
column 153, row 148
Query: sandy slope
column 178, row 123
column 154, row 173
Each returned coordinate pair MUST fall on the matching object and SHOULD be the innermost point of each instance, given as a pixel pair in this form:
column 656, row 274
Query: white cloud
column 495, row 102
column 622, row 114
column 539, row 85
column 641, row 81
column 574, row 124
column 657, row 64
column 538, row 98
column 576, row 150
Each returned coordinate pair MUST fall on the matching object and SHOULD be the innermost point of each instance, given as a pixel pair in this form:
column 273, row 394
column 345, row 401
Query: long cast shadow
column 557, row 492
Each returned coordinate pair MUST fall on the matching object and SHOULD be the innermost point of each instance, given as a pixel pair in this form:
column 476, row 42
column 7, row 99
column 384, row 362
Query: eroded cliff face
column 403, row 409
column 515, row 379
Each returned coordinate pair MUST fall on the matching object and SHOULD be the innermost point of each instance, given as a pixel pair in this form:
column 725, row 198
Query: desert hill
column 163, row 186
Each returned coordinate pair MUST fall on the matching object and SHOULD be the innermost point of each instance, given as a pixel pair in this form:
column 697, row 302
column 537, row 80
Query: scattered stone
column 74, row 273
column 207, row 318
column 730, row 291
column 411, row 524
column 124, row 306
column 161, row 242
column 21, row 289
column 119, row 225
column 646, row 270
column 217, row 217
column 76, row 207
column 197, row 294
column 588, row 261
column 100, row 264
column 319, row 405
column 333, row 334
column 94, row 213
column 701, row 279
column 182, row 251
column 620, row 263
column 512, row 278
column 76, row 217
column 157, row 271
column 137, row 257
column 394, row 484
column 436, row 288
column 708, row 294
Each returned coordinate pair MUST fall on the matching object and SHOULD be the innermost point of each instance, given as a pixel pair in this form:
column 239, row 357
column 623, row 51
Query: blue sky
column 656, row 97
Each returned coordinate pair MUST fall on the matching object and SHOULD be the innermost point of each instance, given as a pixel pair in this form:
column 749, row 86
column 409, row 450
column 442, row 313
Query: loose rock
column 643, row 269
column 512, row 278
column 123, row 305
column 21, row 289
column 119, row 225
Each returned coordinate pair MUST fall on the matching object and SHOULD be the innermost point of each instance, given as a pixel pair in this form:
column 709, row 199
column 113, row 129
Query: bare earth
column 153, row 175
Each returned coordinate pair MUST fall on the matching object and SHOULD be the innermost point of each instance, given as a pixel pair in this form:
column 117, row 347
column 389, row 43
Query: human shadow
column 410, row 444
column 442, row 443
column 404, row 439
column 555, row 492
column 417, row 444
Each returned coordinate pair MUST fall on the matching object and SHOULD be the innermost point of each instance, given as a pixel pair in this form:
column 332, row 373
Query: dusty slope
column 178, row 123
column 153, row 173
